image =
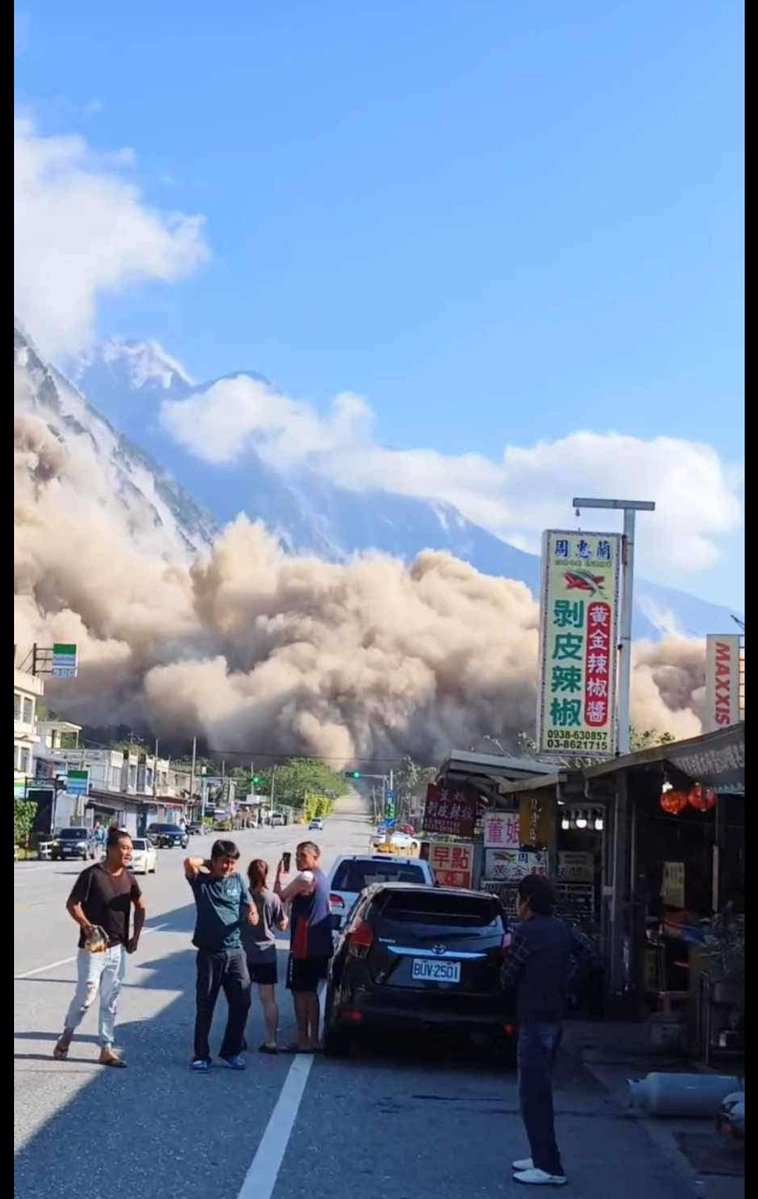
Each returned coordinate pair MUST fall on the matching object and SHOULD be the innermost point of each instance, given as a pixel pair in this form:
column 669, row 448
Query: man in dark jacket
column 543, row 963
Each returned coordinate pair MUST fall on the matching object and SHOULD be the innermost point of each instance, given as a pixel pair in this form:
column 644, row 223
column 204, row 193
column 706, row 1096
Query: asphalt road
column 418, row 1122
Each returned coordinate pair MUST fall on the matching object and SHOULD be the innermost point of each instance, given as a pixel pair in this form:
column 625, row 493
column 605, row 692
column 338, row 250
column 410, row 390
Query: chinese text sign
column 578, row 642
column 452, row 863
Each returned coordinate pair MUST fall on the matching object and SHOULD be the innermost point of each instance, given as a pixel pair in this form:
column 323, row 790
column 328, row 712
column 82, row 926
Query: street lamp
column 630, row 508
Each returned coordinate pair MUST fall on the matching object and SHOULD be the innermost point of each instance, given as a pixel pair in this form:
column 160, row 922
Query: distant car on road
column 316, row 823
column 167, row 836
column 144, row 856
column 277, row 818
column 421, row 958
column 75, row 842
column 194, row 828
column 351, row 874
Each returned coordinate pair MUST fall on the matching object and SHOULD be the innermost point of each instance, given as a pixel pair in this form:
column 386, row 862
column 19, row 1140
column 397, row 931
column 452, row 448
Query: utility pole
column 630, row 508
column 192, row 775
column 273, row 777
column 155, row 770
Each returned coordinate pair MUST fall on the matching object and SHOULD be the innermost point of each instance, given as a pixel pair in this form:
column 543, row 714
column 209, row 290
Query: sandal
column 264, row 1048
column 60, row 1053
column 108, row 1058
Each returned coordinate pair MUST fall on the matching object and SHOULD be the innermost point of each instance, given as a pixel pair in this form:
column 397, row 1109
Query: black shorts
column 305, row 974
column 262, row 973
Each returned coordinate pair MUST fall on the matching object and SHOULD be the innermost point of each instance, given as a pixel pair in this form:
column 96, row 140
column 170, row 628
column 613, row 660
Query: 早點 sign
column 452, row 863
column 578, row 640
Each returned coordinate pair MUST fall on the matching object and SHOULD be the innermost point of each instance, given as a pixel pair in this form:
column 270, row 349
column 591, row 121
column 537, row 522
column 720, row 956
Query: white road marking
column 154, row 928
column 260, row 1179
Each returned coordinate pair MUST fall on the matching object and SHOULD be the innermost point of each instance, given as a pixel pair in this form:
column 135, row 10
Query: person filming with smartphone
column 311, row 942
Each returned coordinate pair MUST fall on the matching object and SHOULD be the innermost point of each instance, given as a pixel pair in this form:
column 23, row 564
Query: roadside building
column 28, row 689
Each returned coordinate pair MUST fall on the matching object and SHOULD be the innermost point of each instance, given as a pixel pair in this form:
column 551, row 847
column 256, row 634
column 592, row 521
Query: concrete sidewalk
column 612, row 1053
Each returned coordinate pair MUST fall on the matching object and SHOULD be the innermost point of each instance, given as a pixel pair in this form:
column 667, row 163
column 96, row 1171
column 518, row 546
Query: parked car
column 167, row 836
column 194, row 828
column 277, row 818
column 76, row 842
column 351, row 873
column 421, row 958
column 144, row 856
column 316, row 823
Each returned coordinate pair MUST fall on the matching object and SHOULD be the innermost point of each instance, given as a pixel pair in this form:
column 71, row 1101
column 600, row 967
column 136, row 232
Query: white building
column 27, row 690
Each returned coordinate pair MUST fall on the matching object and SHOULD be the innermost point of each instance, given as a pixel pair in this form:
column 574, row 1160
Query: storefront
column 645, row 851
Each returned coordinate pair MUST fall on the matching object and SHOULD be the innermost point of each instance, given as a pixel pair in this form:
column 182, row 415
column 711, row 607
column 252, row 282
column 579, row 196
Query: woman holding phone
column 260, row 947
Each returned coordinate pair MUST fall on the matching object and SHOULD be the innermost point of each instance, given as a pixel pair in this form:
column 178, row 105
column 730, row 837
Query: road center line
column 260, row 1179
column 154, row 928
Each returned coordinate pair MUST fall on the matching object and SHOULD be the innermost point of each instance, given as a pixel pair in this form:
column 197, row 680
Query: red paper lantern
column 673, row 802
column 702, row 799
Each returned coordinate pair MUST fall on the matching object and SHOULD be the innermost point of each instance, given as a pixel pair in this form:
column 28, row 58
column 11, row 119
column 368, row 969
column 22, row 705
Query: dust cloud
column 262, row 653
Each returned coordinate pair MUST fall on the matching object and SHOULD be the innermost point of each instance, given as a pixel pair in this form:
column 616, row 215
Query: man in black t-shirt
column 102, row 897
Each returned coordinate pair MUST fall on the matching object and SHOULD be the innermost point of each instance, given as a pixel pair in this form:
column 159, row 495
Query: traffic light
column 352, row 774
column 255, row 780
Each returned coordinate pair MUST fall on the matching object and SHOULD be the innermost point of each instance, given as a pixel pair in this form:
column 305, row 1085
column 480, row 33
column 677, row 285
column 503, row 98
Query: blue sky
column 500, row 223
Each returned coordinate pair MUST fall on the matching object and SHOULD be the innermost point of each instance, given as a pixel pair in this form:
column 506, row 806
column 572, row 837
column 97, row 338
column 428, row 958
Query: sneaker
column 201, row 1065
column 234, row 1063
column 536, row 1178
column 526, row 1163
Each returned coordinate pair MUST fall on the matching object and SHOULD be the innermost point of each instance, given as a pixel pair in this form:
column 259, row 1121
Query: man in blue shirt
column 224, row 904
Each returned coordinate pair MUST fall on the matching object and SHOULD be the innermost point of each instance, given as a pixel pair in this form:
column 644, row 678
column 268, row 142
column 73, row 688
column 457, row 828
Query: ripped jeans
column 102, row 972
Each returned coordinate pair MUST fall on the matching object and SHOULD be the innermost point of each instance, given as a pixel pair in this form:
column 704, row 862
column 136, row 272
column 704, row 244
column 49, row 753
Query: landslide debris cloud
column 257, row 651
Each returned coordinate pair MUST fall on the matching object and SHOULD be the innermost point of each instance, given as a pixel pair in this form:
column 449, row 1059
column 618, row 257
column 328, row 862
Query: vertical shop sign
column 578, row 642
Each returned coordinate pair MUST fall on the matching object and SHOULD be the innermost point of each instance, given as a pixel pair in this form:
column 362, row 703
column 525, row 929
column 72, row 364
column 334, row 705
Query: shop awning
column 717, row 760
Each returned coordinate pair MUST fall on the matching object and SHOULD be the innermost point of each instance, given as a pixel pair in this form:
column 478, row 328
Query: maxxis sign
column 722, row 681
column 576, row 703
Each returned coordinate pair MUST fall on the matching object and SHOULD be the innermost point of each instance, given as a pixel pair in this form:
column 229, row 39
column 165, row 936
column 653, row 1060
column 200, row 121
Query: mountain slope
column 128, row 381
column 160, row 517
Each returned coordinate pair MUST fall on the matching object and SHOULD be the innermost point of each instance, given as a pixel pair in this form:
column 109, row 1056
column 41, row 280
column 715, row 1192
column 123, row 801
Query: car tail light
column 351, row 1016
column 361, row 937
column 336, row 901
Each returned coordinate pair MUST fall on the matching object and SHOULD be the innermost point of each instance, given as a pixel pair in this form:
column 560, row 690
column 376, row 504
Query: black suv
column 76, row 842
column 167, row 836
column 421, row 958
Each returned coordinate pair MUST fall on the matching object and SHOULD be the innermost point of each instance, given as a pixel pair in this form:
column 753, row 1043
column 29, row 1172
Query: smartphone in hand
column 286, row 859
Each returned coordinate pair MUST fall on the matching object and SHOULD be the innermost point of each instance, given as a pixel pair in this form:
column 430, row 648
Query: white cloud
column 525, row 490
column 83, row 230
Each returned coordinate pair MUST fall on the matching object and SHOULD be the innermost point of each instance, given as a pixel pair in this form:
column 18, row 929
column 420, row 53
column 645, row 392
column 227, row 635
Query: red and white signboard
column 502, row 830
column 722, row 681
column 452, row 863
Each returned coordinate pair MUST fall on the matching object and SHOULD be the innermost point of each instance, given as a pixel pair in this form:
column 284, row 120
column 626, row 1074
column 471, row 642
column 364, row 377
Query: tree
column 24, row 811
column 298, row 778
column 647, row 739
column 410, row 781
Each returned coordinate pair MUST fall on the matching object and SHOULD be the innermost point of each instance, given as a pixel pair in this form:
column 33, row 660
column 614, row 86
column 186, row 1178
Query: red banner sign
column 451, row 810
